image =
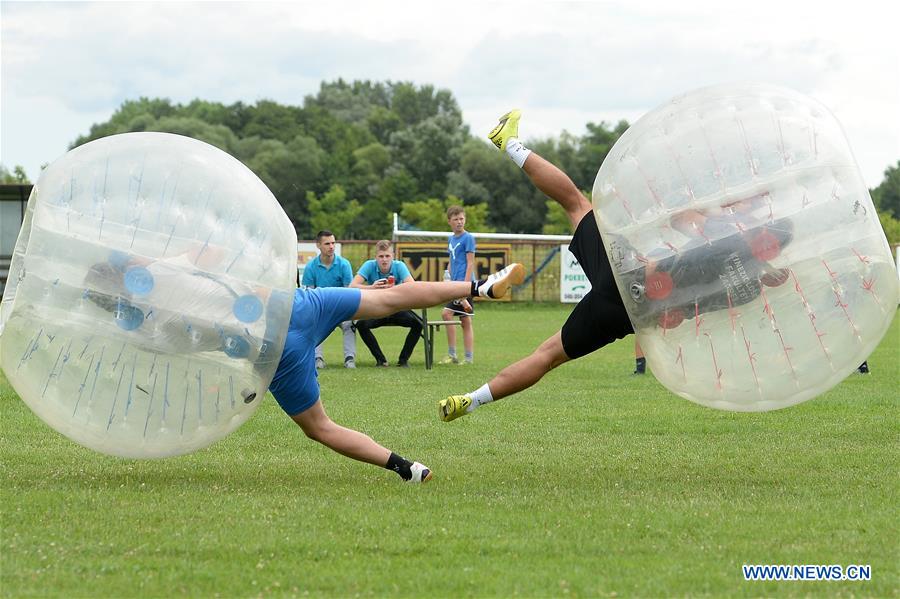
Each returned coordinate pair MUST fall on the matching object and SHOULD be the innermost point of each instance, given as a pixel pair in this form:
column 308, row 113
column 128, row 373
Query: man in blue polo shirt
column 383, row 273
column 330, row 270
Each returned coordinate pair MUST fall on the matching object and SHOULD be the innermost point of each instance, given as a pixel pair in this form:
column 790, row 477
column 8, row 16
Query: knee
column 316, row 430
column 550, row 354
column 311, row 432
column 393, row 297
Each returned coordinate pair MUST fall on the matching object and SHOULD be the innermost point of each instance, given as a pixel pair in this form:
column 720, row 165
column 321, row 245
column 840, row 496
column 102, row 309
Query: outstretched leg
column 529, row 370
column 545, row 176
column 512, row 379
column 557, row 186
column 378, row 303
column 593, row 323
column 319, row 427
column 408, row 296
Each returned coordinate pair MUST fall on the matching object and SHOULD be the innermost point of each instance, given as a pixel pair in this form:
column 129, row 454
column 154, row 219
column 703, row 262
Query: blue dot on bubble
column 236, row 347
column 129, row 317
column 248, row 308
column 119, row 259
column 139, row 280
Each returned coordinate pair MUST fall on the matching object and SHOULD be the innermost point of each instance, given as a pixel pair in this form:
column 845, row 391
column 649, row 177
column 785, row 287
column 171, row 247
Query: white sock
column 480, row 396
column 517, row 151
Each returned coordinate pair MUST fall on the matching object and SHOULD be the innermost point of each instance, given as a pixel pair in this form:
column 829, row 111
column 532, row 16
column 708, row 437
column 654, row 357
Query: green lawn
column 594, row 483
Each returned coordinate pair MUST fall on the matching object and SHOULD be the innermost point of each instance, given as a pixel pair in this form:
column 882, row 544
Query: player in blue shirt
column 383, row 273
column 461, row 247
column 330, row 270
column 315, row 314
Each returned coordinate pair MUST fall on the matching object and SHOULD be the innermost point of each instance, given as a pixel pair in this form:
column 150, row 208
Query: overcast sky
column 66, row 66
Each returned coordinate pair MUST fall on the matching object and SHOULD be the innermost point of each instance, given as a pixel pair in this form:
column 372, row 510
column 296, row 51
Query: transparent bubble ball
column 745, row 246
column 149, row 295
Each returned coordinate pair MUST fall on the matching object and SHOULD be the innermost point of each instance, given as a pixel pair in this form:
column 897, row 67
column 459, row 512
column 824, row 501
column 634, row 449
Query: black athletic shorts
column 600, row 317
column 457, row 307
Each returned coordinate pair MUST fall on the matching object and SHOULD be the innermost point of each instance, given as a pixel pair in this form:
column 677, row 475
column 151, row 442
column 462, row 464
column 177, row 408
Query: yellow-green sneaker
column 449, row 360
column 453, row 407
column 507, row 128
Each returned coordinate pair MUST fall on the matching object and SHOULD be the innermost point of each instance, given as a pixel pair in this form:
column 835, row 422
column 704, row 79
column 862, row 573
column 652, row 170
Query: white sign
column 306, row 251
column 573, row 283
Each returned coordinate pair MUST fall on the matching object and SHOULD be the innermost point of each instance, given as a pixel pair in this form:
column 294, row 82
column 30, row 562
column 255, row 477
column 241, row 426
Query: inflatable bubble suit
column 149, row 295
column 745, row 246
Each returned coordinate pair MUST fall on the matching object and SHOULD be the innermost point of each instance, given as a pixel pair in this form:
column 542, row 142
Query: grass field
column 594, row 483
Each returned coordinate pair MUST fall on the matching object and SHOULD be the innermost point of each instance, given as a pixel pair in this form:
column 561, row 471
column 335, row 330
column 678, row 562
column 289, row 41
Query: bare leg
column 528, row 371
column 378, row 303
column 468, row 335
column 447, row 314
column 640, row 363
column 558, row 186
column 319, row 427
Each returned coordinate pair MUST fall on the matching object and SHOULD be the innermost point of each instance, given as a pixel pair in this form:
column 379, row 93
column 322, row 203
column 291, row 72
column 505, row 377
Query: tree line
column 356, row 152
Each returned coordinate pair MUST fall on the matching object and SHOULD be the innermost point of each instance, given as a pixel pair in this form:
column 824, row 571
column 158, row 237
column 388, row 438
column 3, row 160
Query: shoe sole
column 515, row 276
column 497, row 129
column 442, row 411
column 495, row 132
column 442, row 405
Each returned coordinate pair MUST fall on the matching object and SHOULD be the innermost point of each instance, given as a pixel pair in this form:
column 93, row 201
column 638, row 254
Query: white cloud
column 67, row 66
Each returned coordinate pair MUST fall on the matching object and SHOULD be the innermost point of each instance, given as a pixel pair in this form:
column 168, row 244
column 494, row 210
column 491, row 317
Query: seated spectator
column 383, row 273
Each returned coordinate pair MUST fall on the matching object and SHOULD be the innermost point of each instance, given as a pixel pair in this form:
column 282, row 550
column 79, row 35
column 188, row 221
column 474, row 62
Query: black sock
column 400, row 465
column 640, row 365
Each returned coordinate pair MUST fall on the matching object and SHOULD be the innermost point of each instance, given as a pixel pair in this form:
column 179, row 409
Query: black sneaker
column 640, row 366
column 863, row 368
column 403, row 364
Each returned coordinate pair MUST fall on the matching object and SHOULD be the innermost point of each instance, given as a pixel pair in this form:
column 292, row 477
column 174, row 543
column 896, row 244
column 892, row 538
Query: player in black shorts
column 663, row 292
column 598, row 319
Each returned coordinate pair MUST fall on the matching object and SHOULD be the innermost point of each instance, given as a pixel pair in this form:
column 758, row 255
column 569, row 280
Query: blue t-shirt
column 458, row 247
column 371, row 273
column 317, row 275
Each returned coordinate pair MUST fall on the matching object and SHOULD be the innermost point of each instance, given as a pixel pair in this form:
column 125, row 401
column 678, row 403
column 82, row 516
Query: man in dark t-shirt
column 716, row 273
